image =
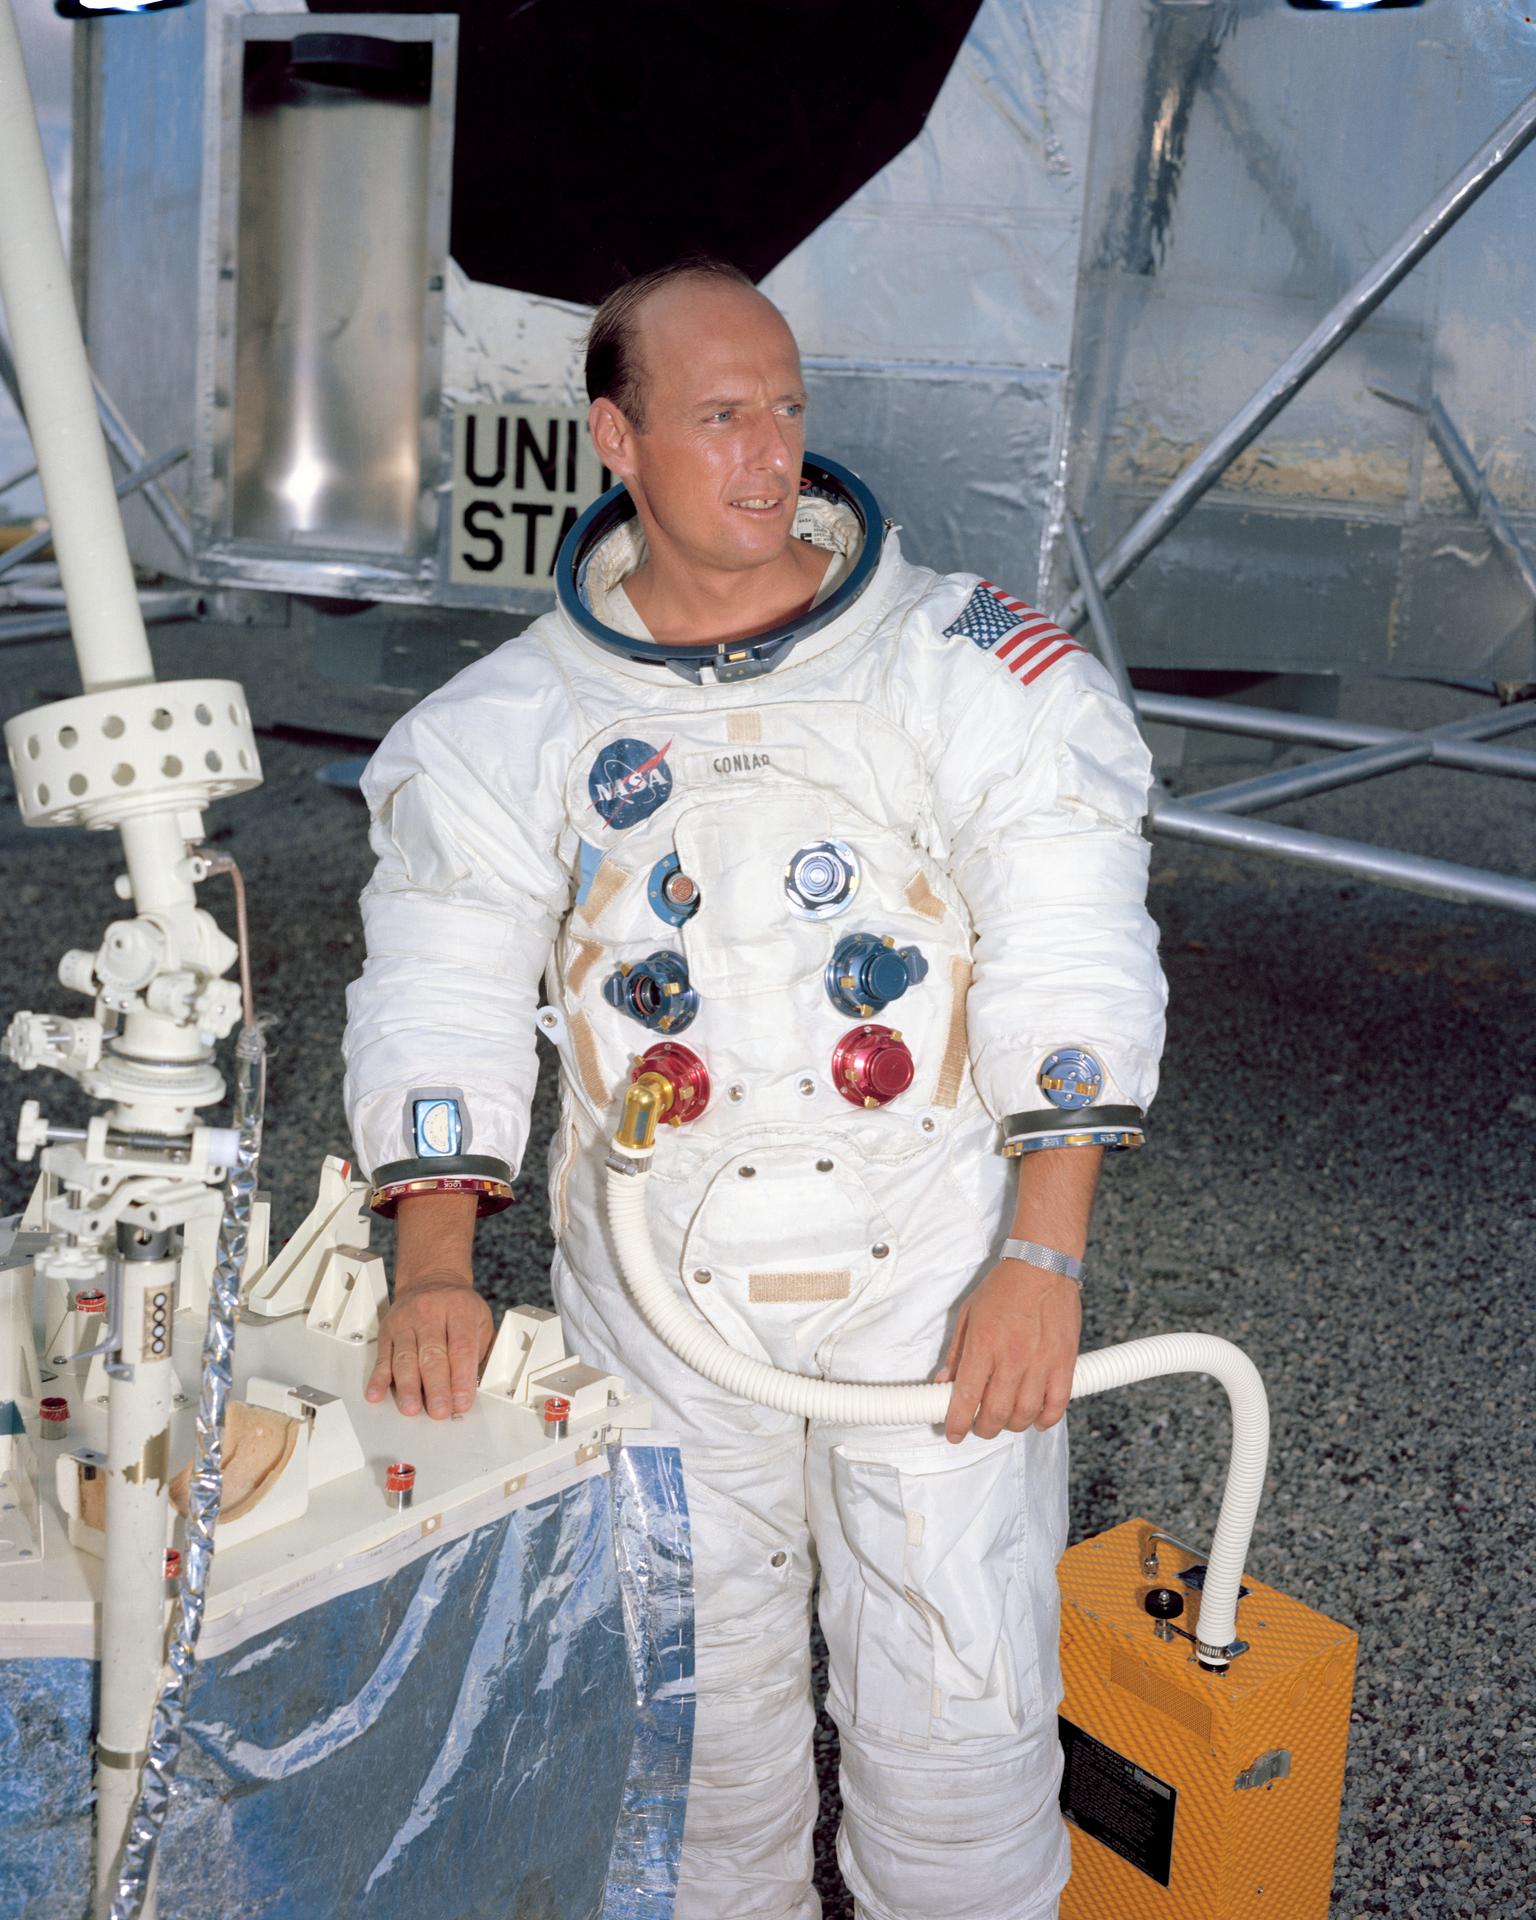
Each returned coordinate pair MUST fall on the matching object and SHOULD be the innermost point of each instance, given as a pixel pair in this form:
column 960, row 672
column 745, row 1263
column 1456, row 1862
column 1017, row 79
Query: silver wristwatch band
column 1034, row 1255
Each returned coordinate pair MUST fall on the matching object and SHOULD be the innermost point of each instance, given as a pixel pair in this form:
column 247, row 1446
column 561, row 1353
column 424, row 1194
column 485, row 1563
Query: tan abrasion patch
column 586, row 1060
column 952, row 1068
column 922, row 899
column 743, row 726
column 588, row 952
column 258, row 1444
column 607, row 884
column 563, row 1181
column 769, row 1288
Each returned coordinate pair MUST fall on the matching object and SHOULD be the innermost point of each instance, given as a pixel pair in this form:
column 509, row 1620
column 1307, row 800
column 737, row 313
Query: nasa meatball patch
column 629, row 780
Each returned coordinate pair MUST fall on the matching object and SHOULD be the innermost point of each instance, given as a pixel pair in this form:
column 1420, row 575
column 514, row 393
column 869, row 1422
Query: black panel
column 598, row 141
column 1112, row 1799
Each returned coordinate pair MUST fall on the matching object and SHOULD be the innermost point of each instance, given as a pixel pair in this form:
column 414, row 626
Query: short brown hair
column 613, row 360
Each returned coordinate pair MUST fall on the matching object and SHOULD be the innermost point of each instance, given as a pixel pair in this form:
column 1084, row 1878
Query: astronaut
column 852, row 851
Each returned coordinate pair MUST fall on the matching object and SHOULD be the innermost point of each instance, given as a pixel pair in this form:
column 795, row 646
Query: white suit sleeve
column 1040, row 794
column 458, row 918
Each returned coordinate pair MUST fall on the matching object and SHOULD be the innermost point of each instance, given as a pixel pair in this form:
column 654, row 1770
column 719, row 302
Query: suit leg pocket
column 950, row 1611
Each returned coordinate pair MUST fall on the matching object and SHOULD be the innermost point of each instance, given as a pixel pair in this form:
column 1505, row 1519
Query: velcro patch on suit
column 956, row 1043
column 588, row 953
column 740, row 763
column 586, row 1060
column 608, row 883
column 774, row 1288
column 921, row 898
column 743, row 726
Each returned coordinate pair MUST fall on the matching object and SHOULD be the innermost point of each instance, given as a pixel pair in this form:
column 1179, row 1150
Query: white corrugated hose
column 849, row 1403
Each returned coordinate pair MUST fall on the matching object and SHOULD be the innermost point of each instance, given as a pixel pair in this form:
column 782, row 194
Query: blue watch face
column 438, row 1128
column 1071, row 1079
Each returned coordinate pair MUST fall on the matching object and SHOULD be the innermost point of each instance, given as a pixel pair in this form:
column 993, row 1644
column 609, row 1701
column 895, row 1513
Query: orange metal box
column 1192, row 1795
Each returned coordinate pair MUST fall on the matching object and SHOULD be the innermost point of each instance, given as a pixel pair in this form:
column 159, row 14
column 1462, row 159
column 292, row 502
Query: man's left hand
column 1012, row 1356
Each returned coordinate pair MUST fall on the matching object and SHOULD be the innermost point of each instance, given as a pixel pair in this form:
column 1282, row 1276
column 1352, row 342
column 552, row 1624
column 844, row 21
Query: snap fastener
column 880, row 1250
column 736, row 1092
column 702, row 1276
column 823, row 1166
column 746, row 1172
column 807, row 1087
column 779, row 1559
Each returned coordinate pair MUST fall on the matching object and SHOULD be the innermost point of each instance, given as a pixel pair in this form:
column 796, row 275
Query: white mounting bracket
column 339, row 1217
column 350, row 1297
column 528, row 1362
column 528, row 1339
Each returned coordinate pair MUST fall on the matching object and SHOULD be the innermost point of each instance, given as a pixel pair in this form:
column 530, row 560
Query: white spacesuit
column 881, row 893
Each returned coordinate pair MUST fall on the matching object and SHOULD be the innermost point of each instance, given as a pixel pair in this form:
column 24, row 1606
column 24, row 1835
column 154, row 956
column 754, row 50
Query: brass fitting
column 646, row 1101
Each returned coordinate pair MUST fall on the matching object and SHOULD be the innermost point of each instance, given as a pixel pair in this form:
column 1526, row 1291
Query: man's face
column 716, row 472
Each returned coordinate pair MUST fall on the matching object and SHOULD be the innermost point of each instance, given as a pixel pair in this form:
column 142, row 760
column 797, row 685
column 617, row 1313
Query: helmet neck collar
column 727, row 660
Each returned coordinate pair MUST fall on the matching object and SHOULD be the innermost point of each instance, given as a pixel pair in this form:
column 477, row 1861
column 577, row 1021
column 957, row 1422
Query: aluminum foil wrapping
column 654, row 1554
column 207, row 1486
column 498, row 1730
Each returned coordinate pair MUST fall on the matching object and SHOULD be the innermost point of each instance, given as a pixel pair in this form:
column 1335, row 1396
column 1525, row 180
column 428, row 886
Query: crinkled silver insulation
column 207, row 1486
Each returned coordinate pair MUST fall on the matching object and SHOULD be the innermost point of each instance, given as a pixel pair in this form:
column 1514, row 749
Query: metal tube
column 17, row 478
column 1325, row 339
column 59, row 404
column 1098, row 611
column 1317, row 776
column 1442, row 878
column 156, row 608
column 130, row 1894
column 1469, row 477
column 1269, row 723
column 130, row 483
column 1264, row 723
column 1469, row 757
column 132, row 1571
column 128, row 447
column 1480, row 497
column 1408, row 749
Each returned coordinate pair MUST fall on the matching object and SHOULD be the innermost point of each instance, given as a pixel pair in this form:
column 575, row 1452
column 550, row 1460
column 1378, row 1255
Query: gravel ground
column 1338, row 1178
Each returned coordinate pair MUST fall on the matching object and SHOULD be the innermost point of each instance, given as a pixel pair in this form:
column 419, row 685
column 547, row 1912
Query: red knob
column 871, row 1065
column 173, row 1563
column 53, row 1407
column 399, row 1477
column 90, row 1300
column 687, row 1073
column 556, row 1407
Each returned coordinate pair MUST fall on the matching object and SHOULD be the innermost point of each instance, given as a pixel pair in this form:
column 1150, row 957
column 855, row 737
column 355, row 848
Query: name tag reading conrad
column 522, row 476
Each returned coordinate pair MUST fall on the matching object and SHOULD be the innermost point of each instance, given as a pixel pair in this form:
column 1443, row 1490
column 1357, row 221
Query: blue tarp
column 499, row 1731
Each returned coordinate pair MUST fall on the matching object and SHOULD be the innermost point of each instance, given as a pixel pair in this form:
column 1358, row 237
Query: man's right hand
column 431, row 1346
column 434, row 1339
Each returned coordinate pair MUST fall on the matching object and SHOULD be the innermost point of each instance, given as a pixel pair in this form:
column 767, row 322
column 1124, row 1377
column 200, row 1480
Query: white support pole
column 112, row 648
column 58, row 398
column 133, row 1568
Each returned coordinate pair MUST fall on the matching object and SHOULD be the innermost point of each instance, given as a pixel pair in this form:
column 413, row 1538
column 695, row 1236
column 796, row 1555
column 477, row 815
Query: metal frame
column 1487, row 508
column 140, row 480
column 1214, row 816
column 1330, row 333
column 245, row 562
column 1370, row 751
column 158, row 609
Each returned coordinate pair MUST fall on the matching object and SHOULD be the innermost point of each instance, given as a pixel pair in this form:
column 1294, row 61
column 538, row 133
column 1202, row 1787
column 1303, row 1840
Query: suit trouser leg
column 939, row 1606
column 752, row 1793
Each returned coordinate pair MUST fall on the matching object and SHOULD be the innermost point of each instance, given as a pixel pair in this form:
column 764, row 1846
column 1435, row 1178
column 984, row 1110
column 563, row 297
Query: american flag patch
column 1010, row 631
